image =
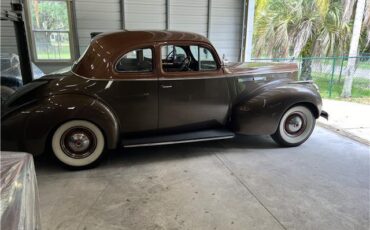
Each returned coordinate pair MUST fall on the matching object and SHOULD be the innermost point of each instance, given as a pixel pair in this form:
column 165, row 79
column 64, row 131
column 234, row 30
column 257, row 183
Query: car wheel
column 295, row 127
column 6, row 92
column 78, row 143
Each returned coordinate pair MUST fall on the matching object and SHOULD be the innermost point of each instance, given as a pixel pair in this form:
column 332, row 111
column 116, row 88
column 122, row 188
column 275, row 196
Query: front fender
column 260, row 112
column 39, row 120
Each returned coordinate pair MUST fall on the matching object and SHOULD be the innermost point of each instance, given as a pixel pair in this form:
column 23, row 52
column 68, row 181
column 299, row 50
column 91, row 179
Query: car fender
column 42, row 118
column 259, row 112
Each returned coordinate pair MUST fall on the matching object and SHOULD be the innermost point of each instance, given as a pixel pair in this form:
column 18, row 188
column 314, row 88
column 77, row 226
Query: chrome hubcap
column 295, row 124
column 78, row 142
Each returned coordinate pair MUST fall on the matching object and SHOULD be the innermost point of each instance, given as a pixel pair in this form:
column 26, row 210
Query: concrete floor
column 352, row 121
column 245, row 183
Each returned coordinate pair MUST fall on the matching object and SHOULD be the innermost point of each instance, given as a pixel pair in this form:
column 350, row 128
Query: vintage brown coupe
column 148, row 88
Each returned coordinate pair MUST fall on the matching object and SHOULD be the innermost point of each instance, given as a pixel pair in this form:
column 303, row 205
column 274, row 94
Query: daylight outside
column 185, row 114
column 330, row 42
column 320, row 36
column 50, row 30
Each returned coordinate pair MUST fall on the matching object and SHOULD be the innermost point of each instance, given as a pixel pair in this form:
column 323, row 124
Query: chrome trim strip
column 152, row 79
column 179, row 142
column 114, row 79
column 302, row 82
column 190, row 78
column 182, row 78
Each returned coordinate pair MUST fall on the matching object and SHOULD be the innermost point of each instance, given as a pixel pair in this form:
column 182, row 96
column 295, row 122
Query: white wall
column 226, row 27
column 96, row 16
column 145, row 14
column 8, row 44
column 191, row 15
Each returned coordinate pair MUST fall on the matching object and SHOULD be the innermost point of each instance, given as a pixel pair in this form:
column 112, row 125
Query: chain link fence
column 329, row 73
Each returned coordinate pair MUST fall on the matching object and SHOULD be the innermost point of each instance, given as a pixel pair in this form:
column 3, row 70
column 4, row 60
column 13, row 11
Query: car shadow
column 122, row 157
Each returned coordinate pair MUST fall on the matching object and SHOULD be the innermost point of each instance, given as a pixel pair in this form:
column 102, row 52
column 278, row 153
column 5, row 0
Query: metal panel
column 226, row 27
column 224, row 30
column 191, row 15
column 96, row 16
column 145, row 14
column 8, row 44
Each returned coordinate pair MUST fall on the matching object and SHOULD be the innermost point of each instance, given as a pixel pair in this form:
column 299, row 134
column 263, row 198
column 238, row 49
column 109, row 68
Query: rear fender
column 51, row 112
column 259, row 113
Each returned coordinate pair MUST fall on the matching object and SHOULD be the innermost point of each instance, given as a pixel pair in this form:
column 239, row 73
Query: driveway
column 245, row 183
column 328, row 69
column 348, row 118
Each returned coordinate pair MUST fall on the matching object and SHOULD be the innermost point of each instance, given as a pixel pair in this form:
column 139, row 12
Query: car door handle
column 166, row 86
column 138, row 95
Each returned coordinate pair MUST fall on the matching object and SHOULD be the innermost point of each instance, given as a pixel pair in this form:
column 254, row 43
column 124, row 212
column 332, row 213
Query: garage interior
column 248, row 182
column 245, row 183
column 220, row 21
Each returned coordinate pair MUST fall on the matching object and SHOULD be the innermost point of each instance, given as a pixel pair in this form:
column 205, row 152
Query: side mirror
column 93, row 34
column 224, row 59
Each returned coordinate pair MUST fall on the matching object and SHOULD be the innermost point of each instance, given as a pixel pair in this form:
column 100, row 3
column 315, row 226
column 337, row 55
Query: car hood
column 251, row 68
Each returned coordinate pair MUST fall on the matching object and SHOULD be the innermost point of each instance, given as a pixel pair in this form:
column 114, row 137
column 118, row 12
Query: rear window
column 138, row 60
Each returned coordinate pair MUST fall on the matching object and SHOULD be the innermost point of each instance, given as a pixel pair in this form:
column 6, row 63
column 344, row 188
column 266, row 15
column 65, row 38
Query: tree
column 366, row 28
column 301, row 28
column 353, row 51
column 47, row 19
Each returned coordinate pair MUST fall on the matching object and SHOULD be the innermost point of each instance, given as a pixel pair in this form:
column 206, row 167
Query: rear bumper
column 324, row 114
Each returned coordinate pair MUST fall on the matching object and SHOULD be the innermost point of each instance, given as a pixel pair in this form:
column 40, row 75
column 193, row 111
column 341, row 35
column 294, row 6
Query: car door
column 133, row 93
column 192, row 98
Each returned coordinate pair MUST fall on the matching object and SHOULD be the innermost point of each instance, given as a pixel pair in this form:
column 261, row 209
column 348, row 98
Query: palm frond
column 348, row 9
column 295, row 27
column 323, row 6
column 366, row 24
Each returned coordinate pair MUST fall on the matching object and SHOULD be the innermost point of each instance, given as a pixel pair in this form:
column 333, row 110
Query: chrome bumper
column 324, row 114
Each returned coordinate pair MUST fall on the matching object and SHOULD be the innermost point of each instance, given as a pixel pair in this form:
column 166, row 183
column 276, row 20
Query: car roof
column 140, row 37
column 105, row 49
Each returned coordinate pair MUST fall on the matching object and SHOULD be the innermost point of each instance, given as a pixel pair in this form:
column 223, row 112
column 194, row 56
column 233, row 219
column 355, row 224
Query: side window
column 203, row 58
column 168, row 52
column 139, row 60
column 206, row 60
column 187, row 58
column 174, row 58
column 195, row 52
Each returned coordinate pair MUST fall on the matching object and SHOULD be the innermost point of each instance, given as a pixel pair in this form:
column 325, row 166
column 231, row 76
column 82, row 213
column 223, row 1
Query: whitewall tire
column 78, row 143
column 295, row 126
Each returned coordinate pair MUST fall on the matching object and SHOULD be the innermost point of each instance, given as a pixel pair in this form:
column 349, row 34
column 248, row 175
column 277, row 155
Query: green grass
column 50, row 56
column 364, row 65
column 360, row 88
column 54, row 53
column 361, row 65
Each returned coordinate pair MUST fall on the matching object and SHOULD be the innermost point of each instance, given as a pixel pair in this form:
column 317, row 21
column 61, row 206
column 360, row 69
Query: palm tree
column 301, row 28
column 353, row 51
column 348, row 10
column 366, row 26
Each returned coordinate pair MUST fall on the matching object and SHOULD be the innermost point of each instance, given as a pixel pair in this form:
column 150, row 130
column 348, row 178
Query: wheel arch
column 53, row 129
column 261, row 112
column 71, row 157
column 311, row 106
column 63, row 108
column 287, row 136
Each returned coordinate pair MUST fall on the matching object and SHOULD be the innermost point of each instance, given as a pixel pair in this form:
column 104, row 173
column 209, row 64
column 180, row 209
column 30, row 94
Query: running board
column 207, row 135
